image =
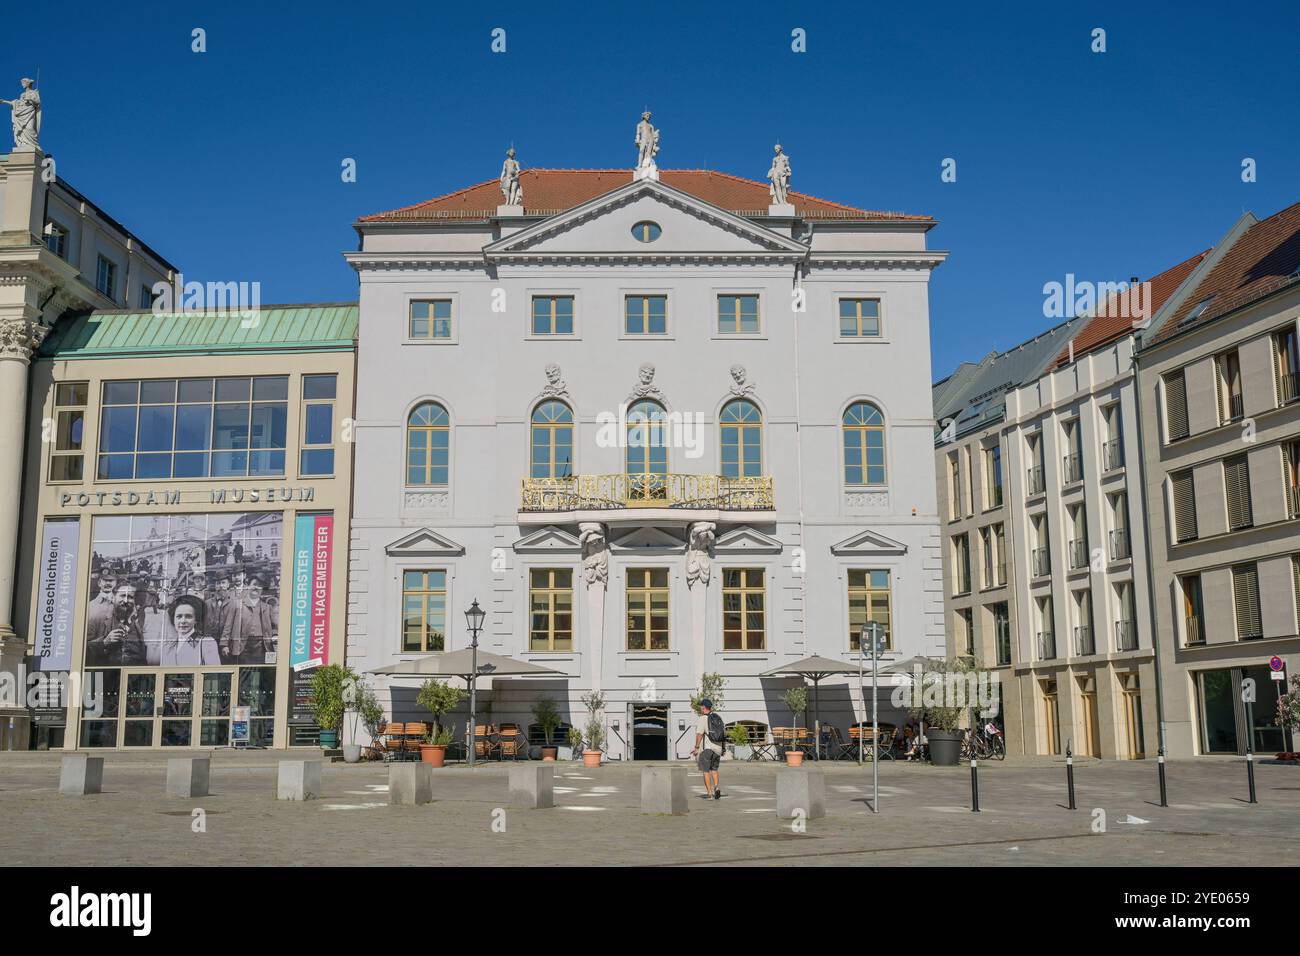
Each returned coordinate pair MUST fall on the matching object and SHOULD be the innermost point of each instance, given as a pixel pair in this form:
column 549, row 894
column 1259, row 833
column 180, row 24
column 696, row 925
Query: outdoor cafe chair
column 415, row 734
column 513, row 743
column 392, row 736
column 486, row 743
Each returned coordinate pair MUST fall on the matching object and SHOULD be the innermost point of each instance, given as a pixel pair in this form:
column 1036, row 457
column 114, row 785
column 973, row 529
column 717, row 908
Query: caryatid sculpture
column 26, row 111
column 779, row 175
column 647, row 145
column 511, row 190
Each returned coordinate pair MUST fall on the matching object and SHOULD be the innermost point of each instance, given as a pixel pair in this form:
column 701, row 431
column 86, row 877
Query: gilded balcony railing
column 611, row 492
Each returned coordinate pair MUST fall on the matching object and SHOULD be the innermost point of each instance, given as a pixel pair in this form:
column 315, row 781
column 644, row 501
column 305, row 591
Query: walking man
column 709, row 735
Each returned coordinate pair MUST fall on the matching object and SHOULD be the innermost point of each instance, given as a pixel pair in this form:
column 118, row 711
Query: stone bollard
column 298, row 780
column 80, row 775
column 188, row 776
column 410, row 784
column 663, row 790
column 800, row 790
column 532, row 786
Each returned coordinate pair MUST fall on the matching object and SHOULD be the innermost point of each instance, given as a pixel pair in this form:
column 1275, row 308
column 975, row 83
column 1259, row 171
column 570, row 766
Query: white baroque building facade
column 658, row 427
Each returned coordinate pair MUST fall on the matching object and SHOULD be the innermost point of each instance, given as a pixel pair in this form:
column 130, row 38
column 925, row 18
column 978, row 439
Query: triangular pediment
column 746, row 540
column 424, row 543
column 603, row 226
column 648, row 539
column 550, row 540
column 869, row 542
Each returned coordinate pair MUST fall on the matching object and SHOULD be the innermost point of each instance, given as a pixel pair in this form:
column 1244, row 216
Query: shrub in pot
column 547, row 716
column 796, row 698
column 595, row 735
column 437, row 697
column 942, row 718
column 740, row 745
column 331, row 688
column 365, row 709
column 574, row 748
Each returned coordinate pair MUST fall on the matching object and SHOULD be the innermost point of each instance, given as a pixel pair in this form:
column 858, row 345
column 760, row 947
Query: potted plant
column 437, row 697
column 595, row 735
column 365, row 709
column 1288, row 718
column 796, row 698
column 575, row 745
column 547, row 716
column 741, row 748
column 331, row 685
column 942, row 718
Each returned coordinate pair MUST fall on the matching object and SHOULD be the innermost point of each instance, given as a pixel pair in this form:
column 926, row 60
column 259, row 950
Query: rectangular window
column 430, row 319
column 1228, row 390
column 1245, row 597
column 859, row 318
column 316, row 456
column 424, row 610
column 737, row 313
column 647, row 609
column 1287, row 364
column 1175, row 406
column 106, row 278
column 1291, row 477
column 146, row 297
column 1193, row 612
column 550, row 601
column 744, row 610
column 552, row 315
column 1184, row 492
column 193, row 428
column 869, row 600
column 56, row 240
column 1236, row 487
column 1002, row 633
column 645, row 315
column 66, row 459
column 954, row 487
column 993, row 475
column 961, row 563
column 967, row 618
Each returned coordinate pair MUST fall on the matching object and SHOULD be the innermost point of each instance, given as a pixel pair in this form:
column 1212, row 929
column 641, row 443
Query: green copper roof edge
column 71, row 354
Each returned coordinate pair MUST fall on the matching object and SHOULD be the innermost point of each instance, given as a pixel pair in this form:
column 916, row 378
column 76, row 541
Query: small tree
column 332, row 687
column 711, row 687
column 595, row 703
column 547, row 716
column 936, row 710
column 438, row 697
column 366, row 708
column 796, row 698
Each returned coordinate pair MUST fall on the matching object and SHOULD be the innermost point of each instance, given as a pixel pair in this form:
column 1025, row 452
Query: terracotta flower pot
column 591, row 758
column 433, row 754
column 794, row 758
column 549, row 753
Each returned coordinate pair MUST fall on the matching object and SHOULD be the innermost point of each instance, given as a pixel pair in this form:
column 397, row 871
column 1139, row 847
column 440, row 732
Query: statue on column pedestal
column 647, row 145
column 26, row 111
column 511, row 190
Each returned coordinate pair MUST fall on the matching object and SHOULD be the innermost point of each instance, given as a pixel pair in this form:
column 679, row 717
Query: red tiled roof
column 1262, row 260
column 1122, row 309
column 551, row 191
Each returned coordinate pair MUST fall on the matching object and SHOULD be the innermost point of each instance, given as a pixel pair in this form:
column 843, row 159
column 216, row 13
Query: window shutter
column 1236, row 483
column 1184, row 507
column 1176, row 406
column 1245, row 592
column 1295, row 584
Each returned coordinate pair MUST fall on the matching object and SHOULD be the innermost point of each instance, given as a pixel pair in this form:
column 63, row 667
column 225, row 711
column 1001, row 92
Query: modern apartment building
column 658, row 426
column 1220, row 409
column 975, row 494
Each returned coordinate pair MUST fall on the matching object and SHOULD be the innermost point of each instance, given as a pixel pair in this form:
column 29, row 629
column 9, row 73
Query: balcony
column 1078, row 554
column 1233, row 409
column 1084, row 645
column 1035, row 479
column 1126, row 636
column 1195, row 631
column 1288, row 389
column 1046, row 646
column 1112, row 454
column 1073, row 466
column 670, row 491
column 1293, row 501
column 1042, row 562
column 1119, row 544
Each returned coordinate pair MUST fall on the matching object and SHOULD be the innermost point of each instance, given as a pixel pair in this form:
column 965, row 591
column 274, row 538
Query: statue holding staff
column 26, row 111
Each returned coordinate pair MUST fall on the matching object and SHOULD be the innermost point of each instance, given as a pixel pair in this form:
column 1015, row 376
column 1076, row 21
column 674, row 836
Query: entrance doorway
column 1088, row 713
column 649, row 725
column 1051, row 721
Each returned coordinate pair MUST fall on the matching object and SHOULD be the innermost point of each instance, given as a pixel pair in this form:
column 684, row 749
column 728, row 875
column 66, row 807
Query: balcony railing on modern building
column 1035, row 478
column 1119, row 544
column 1112, row 454
column 1195, row 631
column 1288, row 388
column 612, row 492
column 1042, row 562
column 1233, row 409
column 1078, row 554
column 1293, row 501
column 1126, row 636
column 1046, row 646
column 1084, row 645
column 1073, row 465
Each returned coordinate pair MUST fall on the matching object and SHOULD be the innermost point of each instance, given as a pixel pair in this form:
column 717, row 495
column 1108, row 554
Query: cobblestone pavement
column 925, row 817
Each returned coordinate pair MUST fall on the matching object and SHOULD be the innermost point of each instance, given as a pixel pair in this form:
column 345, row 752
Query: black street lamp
column 474, row 620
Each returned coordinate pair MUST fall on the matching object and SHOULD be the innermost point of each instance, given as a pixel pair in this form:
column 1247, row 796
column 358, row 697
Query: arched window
column 647, row 446
column 427, row 431
column 551, row 454
column 742, row 440
column 864, row 445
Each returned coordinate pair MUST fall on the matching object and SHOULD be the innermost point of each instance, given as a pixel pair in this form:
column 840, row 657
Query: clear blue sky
column 1103, row 165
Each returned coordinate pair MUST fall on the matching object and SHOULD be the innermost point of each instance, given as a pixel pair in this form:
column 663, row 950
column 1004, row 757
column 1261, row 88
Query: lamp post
column 474, row 619
column 871, row 632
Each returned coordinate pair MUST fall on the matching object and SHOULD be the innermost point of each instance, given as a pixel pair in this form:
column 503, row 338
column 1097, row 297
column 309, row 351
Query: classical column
column 699, row 568
column 595, row 569
column 18, row 338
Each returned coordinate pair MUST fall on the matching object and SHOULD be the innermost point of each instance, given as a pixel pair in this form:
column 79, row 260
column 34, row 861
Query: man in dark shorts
column 709, row 753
